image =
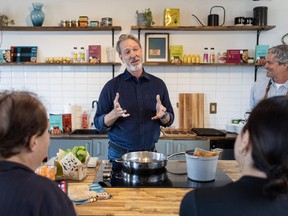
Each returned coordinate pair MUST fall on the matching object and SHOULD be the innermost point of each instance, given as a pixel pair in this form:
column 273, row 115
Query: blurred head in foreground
column 262, row 146
column 24, row 136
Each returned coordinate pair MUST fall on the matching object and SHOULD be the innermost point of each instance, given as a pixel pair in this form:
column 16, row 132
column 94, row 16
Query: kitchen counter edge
column 229, row 136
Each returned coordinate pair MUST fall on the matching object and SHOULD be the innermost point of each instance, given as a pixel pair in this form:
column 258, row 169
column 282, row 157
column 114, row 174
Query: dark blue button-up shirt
column 138, row 97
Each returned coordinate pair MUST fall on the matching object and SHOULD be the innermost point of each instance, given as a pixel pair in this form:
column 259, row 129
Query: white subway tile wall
column 59, row 86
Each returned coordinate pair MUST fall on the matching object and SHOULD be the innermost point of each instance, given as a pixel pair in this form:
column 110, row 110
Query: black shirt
column 138, row 97
column 241, row 198
column 24, row 193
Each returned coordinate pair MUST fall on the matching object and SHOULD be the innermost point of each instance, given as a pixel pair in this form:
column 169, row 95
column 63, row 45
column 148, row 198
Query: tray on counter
column 178, row 132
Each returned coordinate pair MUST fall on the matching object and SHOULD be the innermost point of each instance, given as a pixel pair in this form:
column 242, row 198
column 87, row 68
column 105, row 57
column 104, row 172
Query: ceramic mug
column 239, row 21
column 106, row 21
column 249, row 21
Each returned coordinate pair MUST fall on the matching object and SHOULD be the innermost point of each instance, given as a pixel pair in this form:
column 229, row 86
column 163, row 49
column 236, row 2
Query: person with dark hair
column 276, row 82
column 262, row 150
column 24, row 142
column 133, row 105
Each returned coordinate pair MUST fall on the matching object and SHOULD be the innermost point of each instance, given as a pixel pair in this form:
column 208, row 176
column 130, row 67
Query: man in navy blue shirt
column 134, row 105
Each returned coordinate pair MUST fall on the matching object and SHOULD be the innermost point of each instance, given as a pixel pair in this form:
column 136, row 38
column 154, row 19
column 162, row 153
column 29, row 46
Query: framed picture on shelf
column 156, row 47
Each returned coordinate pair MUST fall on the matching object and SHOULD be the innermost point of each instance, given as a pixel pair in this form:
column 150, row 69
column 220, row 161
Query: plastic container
column 85, row 120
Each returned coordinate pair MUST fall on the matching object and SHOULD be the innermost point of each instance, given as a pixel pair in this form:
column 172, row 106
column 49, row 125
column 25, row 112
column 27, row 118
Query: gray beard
column 134, row 68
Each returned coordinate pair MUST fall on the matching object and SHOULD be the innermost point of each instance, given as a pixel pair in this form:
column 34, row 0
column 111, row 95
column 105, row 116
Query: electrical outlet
column 213, row 108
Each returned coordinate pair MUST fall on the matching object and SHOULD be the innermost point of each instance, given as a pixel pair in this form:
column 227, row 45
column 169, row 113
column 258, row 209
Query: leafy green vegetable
column 79, row 151
column 81, row 155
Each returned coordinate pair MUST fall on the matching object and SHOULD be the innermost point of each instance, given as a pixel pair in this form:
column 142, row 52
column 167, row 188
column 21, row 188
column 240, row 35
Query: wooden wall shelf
column 258, row 30
column 59, row 64
column 196, row 64
column 203, row 28
column 59, row 28
column 64, row 29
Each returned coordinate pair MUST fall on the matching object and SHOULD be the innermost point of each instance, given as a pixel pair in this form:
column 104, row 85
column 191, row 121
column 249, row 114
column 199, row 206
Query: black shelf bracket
column 255, row 74
column 113, row 71
column 257, row 43
column 258, row 35
column 139, row 32
column 113, row 33
column 113, row 66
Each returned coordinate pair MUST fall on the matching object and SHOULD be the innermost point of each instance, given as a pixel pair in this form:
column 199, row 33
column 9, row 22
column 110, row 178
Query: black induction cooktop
column 172, row 176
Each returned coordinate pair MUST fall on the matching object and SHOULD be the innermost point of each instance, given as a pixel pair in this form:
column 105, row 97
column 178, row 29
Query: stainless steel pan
column 143, row 160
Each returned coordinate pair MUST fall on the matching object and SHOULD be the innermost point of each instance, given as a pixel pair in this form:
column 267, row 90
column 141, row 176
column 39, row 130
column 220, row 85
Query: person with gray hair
column 133, row 105
column 24, row 142
column 276, row 82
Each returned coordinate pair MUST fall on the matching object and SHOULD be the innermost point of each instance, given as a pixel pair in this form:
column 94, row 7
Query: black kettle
column 213, row 19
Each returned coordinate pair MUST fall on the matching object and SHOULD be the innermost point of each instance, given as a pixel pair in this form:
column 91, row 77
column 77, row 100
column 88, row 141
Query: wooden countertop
column 229, row 136
column 144, row 201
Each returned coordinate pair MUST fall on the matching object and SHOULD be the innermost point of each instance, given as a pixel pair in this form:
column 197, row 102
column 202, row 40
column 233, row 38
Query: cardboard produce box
column 73, row 168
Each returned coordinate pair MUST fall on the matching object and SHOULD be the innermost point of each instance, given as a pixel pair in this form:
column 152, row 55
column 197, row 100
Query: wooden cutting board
column 191, row 110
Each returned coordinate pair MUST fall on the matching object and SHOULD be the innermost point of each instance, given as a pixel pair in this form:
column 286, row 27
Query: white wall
column 229, row 86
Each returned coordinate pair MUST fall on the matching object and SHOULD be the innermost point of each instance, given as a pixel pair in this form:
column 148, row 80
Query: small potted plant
column 4, row 20
column 145, row 18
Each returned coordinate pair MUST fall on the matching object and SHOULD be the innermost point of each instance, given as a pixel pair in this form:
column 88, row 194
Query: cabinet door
column 100, row 148
column 56, row 144
column 185, row 145
column 165, row 146
column 227, row 147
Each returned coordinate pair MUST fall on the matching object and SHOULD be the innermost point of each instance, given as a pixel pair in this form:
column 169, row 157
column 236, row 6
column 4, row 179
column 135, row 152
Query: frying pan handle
column 119, row 160
column 175, row 154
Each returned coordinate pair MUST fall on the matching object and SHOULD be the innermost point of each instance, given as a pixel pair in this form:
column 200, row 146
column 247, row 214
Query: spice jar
column 69, row 23
column 75, row 23
column 64, row 23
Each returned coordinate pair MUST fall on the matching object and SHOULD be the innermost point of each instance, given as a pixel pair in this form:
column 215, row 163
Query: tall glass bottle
column 75, row 55
column 82, row 55
column 212, row 55
column 205, row 55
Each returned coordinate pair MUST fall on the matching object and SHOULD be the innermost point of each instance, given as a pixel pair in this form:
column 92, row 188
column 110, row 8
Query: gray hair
column 280, row 53
column 124, row 37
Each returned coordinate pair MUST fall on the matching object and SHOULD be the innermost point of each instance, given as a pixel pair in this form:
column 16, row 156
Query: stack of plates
column 92, row 162
column 234, row 128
